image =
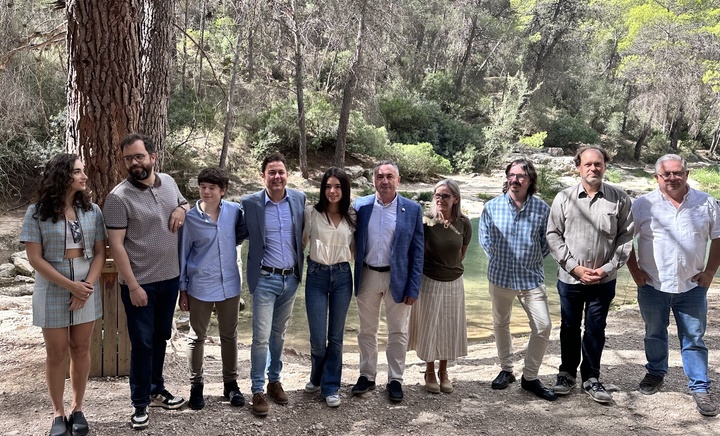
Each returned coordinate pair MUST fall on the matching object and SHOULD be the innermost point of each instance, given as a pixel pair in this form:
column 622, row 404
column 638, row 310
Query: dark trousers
column 149, row 328
column 594, row 301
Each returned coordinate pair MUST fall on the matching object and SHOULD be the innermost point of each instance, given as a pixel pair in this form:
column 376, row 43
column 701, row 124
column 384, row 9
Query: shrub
column 548, row 184
column 418, row 161
column 533, row 141
column 568, row 131
column 613, row 175
column 709, row 179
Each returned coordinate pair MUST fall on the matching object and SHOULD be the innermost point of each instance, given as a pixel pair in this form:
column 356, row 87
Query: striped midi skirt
column 438, row 330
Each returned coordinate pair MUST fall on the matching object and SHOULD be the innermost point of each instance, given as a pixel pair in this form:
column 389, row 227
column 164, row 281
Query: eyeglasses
column 443, row 196
column 137, row 157
column 671, row 174
column 519, row 177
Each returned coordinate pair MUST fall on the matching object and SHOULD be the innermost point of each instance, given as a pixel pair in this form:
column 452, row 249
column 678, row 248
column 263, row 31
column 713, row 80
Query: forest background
column 440, row 86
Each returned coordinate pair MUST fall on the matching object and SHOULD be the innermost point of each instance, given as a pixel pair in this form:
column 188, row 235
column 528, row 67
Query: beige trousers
column 374, row 289
column 534, row 301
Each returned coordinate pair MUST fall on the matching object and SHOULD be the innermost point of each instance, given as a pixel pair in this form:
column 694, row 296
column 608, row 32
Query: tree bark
column 229, row 100
column 158, row 46
column 103, row 88
column 641, row 141
column 676, row 126
column 460, row 75
column 348, row 89
column 299, row 89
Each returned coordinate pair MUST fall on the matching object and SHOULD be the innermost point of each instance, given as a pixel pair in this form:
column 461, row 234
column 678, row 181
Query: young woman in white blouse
column 329, row 230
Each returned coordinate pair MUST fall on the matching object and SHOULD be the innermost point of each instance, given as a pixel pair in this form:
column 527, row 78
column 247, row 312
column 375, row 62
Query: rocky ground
column 474, row 408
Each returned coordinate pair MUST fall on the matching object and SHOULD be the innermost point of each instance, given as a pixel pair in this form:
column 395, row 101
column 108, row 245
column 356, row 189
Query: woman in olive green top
column 437, row 321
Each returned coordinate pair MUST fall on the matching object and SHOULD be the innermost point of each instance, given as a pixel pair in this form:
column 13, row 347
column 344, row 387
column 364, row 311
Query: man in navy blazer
column 272, row 222
column 389, row 250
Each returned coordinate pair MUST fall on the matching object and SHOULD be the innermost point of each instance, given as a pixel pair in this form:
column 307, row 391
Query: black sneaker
column 197, row 401
column 140, row 419
column 232, row 392
column 651, row 384
column 362, row 386
column 166, row 400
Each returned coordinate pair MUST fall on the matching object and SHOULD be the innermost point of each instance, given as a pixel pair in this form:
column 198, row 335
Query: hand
column 703, row 279
column 589, row 276
column 640, row 277
column 184, row 301
column 76, row 303
column 177, row 219
column 138, row 297
column 81, row 290
column 409, row 300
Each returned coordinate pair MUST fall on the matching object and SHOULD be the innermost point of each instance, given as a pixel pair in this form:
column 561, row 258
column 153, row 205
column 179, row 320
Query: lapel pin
column 403, row 209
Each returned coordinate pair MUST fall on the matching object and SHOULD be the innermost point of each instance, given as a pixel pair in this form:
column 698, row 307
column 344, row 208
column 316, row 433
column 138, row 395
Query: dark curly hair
column 323, row 203
column 54, row 184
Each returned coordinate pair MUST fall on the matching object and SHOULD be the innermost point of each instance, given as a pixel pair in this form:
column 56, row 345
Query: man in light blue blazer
column 272, row 222
column 389, row 250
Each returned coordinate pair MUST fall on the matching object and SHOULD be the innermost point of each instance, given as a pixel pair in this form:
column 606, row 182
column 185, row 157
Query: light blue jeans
column 690, row 311
column 328, row 291
column 272, row 306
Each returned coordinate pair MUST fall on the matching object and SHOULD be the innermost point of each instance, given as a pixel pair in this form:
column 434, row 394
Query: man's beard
column 141, row 175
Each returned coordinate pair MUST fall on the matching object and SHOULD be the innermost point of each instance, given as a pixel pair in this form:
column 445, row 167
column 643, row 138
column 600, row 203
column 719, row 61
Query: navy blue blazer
column 408, row 246
column 252, row 226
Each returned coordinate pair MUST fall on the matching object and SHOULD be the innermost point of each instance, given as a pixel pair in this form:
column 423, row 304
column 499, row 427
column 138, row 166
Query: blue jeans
column 595, row 301
column 690, row 311
column 149, row 328
column 272, row 306
column 328, row 291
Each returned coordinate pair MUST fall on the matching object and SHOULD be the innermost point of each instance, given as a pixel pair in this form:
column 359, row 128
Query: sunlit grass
column 709, row 179
column 613, row 175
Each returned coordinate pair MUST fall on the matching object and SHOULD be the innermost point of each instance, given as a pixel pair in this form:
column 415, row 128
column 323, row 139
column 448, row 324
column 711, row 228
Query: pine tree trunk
column 104, row 89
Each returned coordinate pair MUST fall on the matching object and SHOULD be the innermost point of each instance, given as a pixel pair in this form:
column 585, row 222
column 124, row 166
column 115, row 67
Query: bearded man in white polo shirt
column 673, row 226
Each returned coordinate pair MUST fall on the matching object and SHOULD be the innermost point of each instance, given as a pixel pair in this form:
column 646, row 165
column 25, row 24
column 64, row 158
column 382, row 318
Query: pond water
column 477, row 300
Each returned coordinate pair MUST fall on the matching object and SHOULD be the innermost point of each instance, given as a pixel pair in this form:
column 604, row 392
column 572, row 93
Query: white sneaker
column 333, row 400
column 311, row 388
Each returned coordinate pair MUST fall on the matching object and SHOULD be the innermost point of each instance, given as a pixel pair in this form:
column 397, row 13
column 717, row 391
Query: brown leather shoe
column 275, row 390
column 260, row 406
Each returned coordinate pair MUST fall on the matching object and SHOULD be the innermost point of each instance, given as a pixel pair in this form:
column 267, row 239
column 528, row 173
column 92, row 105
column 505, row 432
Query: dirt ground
column 474, row 408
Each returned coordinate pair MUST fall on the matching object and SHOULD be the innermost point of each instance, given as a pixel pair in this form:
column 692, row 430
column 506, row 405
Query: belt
column 377, row 268
column 285, row 272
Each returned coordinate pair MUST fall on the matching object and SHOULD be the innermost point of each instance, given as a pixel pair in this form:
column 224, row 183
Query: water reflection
column 479, row 315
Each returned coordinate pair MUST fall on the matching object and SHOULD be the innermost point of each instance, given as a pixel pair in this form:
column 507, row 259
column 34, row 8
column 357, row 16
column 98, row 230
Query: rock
column 555, row 151
column 355, row 171
column 7, row 270
column 24, row 279
column 23, row 267
column 18, row 255
column 359, row 182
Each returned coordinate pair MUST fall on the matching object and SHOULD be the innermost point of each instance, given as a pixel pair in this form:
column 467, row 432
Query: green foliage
column 709, row 179
column 412, row 120
column 418, row 161
column 568, row 131
column 534, row 141
column 365, row 138
column 503, row 120
column 484, row 196
column 186, row 109
column 613, row 175
column 422, row 196
column 547, row 185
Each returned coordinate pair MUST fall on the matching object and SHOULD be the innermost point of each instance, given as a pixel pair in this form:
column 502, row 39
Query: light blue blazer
column 251, row 226
column 408, row 246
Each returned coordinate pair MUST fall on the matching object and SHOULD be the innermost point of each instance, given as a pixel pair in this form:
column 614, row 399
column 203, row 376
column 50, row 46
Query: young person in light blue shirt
column 210, row 278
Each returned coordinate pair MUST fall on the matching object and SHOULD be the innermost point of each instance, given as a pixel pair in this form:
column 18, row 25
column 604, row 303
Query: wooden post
column 110, row 343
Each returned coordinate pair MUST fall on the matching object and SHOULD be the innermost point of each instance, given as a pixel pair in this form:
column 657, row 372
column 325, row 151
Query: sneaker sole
column 312, row 391
column 563, row 391
column 706, row 413
column 650, row 391
column 599, row 400
column 168, row 406
column 142, row 426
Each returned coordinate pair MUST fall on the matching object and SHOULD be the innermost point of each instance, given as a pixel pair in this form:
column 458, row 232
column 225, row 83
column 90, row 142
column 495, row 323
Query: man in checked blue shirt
column 210, row 278
column 512, row 233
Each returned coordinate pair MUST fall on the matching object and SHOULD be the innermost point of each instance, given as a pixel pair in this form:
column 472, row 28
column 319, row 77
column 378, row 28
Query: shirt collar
column 583, row 194
column 268, row 199
column 141, row 186
column 380, row 203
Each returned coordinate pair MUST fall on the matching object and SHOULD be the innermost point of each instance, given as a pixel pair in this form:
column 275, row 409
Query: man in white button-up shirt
column 673, row 225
